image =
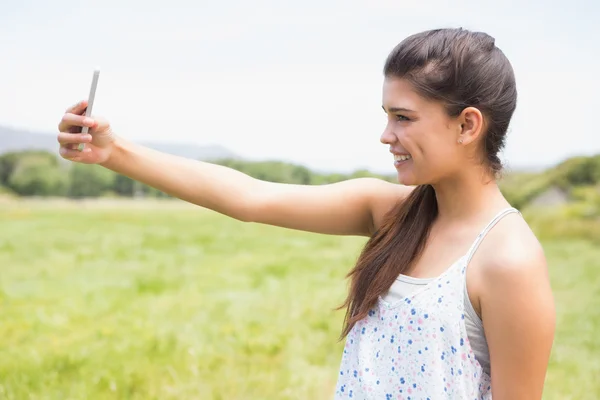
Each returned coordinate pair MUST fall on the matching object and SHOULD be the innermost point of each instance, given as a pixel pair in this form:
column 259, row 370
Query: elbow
column 256, row 204
column 245, row 215
column 247, row 205
column 248, row 210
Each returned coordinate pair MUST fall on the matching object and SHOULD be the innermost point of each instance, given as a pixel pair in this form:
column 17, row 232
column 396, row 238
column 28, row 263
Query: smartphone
column 91, row 97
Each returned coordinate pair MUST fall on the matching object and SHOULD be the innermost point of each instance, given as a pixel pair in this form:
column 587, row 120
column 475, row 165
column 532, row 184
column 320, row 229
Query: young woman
column 450, row 297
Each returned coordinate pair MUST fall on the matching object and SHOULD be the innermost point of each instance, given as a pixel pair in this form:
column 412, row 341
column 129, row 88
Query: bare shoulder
column 512, row 252
column 514, row 282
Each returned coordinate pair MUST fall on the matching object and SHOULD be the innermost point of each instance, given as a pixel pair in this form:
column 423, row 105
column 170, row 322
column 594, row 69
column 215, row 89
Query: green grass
column 173, row 302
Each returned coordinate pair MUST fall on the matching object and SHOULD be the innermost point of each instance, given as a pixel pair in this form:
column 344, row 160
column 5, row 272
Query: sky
column 297, row 81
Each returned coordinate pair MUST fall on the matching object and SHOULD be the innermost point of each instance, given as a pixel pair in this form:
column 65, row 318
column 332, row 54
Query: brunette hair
column 461, row 69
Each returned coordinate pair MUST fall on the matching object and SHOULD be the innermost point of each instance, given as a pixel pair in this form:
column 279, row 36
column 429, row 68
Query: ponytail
column 389, row 252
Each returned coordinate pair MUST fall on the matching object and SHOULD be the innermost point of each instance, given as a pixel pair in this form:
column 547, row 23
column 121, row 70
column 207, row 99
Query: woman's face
column 420, row 134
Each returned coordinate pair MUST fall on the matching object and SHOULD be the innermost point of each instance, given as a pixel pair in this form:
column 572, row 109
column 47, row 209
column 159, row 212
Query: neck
column 464, row 196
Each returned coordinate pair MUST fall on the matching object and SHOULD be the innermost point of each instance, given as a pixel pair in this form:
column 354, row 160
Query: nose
column 388, row 136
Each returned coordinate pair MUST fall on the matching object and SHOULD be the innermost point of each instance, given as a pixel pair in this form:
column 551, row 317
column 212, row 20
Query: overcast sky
column 292, row 80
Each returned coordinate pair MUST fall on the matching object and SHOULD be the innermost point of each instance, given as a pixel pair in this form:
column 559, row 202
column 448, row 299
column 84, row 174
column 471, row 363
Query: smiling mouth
column 402, row 157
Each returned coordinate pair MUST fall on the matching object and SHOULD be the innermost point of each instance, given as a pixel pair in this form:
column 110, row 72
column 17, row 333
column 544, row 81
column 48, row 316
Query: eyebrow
column 397, row 109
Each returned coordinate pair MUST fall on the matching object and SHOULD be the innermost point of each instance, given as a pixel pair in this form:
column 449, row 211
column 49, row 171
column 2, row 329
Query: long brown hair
column 461, row 69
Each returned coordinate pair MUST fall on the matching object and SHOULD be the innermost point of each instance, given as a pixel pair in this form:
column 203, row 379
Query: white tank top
column 417, row 347
column 404, row 286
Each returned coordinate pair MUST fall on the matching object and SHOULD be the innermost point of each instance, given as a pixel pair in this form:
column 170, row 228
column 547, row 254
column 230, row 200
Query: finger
column 72, row 154
column 78, row 108
column 72, row 123
column 72, row 146
column 73, row 138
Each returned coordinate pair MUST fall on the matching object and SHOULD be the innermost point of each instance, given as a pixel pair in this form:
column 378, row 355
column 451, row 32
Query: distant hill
column 12, row 139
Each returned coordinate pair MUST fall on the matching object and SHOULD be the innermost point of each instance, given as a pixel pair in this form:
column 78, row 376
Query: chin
column 407, row 179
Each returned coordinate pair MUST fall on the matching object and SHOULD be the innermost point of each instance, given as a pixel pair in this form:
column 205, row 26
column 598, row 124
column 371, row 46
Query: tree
column 36, row 174
column 90, row 180
column 123, row 185
column 8, row 162
column 577, row 171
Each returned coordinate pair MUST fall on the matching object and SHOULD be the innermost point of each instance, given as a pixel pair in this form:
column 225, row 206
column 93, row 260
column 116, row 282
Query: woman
column 450, row 297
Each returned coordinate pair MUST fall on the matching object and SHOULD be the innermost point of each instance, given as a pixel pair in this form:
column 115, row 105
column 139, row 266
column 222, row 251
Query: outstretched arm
column 352, row 207
column 345, row 208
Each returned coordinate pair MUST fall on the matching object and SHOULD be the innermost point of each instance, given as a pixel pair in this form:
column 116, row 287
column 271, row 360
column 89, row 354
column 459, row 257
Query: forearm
column 212, row 186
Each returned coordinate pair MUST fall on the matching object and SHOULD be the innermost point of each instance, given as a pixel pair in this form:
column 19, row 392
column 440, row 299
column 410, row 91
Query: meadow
column 163, row 300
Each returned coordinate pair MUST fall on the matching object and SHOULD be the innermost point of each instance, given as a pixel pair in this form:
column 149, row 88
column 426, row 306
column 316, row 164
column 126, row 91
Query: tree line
column 40, row 173
column 578, row 177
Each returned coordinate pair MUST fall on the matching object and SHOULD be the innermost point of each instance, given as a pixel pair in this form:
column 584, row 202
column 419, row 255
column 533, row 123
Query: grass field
column 166, row 301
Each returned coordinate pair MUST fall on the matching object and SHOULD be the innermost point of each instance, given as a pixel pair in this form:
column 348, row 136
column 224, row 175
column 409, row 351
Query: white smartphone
column 91, row 97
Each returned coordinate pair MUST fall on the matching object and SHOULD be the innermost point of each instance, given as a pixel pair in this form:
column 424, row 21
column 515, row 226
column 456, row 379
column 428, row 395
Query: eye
column 401, row 117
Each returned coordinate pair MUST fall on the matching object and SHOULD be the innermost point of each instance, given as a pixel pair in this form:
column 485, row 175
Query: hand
column 99, row 142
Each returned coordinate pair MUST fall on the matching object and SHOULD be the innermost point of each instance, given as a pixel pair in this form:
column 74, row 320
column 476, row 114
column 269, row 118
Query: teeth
column 402, row 157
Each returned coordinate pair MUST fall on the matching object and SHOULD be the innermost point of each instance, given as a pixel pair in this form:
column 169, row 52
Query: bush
column 89, row 180
column 37, row 174
column 574, row 221
column 587, row 194
column 576, row 171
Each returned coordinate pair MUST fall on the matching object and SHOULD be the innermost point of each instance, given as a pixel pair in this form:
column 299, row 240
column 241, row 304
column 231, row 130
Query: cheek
column 432, row 151
column 441, row 159
column 420, row 144
column 412, row 140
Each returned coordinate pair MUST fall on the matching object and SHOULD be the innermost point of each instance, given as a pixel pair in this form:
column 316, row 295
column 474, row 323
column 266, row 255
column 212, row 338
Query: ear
column 471, row 125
